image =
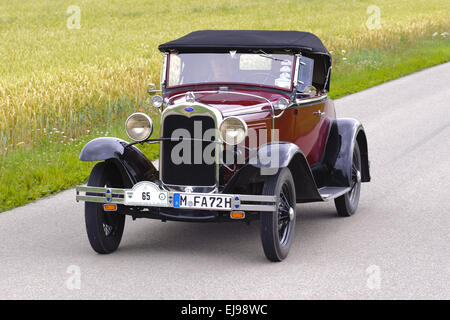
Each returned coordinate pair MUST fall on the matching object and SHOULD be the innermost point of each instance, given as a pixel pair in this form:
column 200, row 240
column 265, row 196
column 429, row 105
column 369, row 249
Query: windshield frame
column 203, row 84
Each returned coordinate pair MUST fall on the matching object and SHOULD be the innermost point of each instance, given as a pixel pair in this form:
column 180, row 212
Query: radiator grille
column 190, row 174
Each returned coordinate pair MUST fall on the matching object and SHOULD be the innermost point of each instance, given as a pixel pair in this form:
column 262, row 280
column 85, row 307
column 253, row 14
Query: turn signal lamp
column 237, row 215
column 110, row 207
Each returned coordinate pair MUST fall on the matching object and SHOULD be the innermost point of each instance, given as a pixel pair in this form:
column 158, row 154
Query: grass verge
column 366, row 68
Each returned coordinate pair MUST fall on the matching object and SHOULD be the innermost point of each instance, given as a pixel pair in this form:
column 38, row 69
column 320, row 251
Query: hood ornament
column 190, row 97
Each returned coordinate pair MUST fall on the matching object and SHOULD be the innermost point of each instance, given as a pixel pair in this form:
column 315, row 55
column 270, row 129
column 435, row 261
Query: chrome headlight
column 157, row 101
column 139, row 126
column 233, row 130
column 282, row 103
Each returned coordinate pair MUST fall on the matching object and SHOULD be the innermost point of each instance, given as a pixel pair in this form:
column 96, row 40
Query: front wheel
column 277, row 228
column 104, row 229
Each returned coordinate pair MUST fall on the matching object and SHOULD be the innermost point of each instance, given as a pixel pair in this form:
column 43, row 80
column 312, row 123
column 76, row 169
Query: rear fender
column 344, row 133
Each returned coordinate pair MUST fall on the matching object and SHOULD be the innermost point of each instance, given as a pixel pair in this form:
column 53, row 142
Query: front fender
column 103, row 149
column 132, row 164
column 272, row 157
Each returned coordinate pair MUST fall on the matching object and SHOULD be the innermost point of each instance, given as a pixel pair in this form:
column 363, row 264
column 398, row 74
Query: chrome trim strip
column 99, row 199
column 297, row 67
column 308, row 102
column 328, row 77
column 250, row 197
column 164, row 70
column 99, row 190
column 238, row 113
column 249, row 109
column 256, row 207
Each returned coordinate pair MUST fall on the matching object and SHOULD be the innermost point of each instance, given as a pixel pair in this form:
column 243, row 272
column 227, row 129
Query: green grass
column 366, row 68
column 59, row 87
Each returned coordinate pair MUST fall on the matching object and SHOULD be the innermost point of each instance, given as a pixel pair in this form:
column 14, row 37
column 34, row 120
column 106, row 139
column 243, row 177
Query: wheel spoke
column 355, row 171
column 283, row 208
column 285, row 201
column 284, row 219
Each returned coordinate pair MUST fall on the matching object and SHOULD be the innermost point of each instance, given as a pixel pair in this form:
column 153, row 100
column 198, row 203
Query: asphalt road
column 396, row 246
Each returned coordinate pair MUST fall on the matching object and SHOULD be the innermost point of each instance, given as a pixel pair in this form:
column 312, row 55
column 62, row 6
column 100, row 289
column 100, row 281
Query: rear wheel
column 104, row 229
column 347, row 204
column 277, row 228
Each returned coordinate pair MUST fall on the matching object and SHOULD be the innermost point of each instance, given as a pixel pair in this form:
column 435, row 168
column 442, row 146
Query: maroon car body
column 263, row 95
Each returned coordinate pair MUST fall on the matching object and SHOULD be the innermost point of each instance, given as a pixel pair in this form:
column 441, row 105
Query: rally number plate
column 146, row 194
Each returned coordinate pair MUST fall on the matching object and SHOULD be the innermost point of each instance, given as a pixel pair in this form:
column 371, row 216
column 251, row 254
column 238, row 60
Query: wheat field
column 71, row 71
column 59, row 80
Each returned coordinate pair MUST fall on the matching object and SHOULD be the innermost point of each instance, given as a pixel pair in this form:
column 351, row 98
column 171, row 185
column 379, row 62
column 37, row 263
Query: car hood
column 232, row 101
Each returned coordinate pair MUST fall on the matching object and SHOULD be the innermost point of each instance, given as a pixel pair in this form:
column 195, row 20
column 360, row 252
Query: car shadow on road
column 235, row 240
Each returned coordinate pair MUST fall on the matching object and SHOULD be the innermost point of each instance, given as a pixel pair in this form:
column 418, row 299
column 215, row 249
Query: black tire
column 104, row 229
column 277, row 228
column 347, row 204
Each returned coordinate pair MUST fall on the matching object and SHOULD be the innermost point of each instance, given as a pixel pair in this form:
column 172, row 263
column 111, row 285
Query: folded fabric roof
column 253, row 40
column 207, row 40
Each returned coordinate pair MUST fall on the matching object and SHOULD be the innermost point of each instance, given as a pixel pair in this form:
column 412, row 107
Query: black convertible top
column 218, row 40
column 250, row 40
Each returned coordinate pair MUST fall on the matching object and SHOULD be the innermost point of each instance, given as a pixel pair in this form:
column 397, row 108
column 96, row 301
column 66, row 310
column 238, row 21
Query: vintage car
column 247, row 130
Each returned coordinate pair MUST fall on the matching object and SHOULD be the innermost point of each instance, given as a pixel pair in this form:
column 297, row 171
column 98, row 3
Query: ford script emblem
column 189, row 109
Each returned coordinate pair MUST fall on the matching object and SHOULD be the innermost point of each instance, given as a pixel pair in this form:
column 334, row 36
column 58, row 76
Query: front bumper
column 239, row 202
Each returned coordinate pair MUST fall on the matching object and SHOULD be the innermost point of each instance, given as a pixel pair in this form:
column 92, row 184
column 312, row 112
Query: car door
column 311, row 119
column 311, row 130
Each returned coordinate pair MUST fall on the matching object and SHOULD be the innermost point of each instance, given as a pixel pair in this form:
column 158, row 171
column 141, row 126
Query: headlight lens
column 233, row 130
column 282, row 103
column 139, row 126
column 157, row 101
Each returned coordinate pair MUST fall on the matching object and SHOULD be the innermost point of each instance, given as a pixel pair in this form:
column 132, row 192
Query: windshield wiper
column 266, row 55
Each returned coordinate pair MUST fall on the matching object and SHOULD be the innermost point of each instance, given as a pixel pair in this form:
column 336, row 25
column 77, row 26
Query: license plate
column 184, row 200
column 146, row 194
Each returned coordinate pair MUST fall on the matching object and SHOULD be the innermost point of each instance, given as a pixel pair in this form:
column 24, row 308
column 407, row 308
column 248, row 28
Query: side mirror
column 152, row 89
column 308, row 91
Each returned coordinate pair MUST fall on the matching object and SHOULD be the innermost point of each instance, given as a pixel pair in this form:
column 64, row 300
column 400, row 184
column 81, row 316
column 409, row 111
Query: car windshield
column 274, row 70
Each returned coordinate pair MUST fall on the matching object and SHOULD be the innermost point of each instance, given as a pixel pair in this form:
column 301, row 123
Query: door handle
column 319, row 113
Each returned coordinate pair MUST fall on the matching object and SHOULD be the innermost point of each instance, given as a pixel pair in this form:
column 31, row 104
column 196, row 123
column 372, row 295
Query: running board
column 329, row 193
